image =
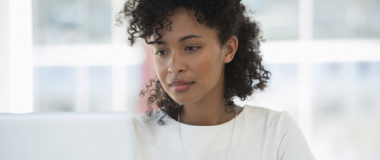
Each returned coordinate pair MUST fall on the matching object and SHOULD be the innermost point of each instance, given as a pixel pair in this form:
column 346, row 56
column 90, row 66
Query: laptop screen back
column 66, row 136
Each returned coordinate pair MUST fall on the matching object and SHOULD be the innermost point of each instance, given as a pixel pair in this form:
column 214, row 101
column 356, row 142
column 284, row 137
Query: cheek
column 160, row 70
column 204, row 69
column 208, row 68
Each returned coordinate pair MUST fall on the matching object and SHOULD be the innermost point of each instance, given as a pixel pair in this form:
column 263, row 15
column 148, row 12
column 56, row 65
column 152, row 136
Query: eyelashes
column 189, row 48
column 158, row 53
column 194, row 47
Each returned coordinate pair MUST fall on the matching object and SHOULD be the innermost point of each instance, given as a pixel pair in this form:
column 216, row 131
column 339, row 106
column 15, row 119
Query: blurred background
column 324, row 55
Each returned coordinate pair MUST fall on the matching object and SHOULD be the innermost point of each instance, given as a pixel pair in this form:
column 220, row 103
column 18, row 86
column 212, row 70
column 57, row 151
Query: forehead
column 182, row 23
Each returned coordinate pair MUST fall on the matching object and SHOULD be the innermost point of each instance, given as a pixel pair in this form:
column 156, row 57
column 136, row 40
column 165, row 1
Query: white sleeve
column 292, row 142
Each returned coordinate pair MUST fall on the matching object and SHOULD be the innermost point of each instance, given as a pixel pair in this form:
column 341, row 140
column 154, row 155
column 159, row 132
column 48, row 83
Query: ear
column 229, row 49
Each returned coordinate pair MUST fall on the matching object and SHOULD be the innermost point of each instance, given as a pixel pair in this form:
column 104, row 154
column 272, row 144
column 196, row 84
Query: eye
column 160, row 53
column 191, row 48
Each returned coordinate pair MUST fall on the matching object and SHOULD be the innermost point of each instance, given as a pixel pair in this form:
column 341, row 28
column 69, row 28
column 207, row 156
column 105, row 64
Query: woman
column 206, row 53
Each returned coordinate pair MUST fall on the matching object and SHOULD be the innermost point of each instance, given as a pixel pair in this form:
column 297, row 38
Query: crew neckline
column 183, row 125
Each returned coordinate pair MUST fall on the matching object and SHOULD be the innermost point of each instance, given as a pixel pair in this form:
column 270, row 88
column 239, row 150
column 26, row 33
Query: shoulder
column 145, row 119
column 146, row 128
column 268, row 115
column 268, row 120
column 149, row 122
column 280, row 129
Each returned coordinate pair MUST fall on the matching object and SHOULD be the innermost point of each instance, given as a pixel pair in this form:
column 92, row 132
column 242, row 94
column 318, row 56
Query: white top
column 259, row 134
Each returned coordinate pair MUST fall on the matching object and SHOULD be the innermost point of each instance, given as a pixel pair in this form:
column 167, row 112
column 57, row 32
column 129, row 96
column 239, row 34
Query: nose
column 176, row 64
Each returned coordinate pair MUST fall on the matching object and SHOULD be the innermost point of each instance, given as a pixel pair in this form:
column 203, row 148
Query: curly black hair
column 243, row 74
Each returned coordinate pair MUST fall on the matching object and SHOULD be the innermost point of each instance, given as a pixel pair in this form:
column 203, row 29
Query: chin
column 181, row 98
column 181, row 101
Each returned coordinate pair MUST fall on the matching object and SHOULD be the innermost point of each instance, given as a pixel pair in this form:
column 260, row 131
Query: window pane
column 71, row 89
column 346, row 110
column 278, row 18
column 346, row 19
column 100, row 86
column 54, row 89
column 71, row 21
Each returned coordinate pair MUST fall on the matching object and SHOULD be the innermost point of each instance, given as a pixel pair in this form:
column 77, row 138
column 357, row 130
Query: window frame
column 16, row 63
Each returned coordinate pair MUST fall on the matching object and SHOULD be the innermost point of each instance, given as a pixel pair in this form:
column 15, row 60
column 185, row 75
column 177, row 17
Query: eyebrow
column 182, row 39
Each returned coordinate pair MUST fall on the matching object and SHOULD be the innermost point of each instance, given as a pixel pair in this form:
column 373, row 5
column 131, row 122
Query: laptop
column 66, row 136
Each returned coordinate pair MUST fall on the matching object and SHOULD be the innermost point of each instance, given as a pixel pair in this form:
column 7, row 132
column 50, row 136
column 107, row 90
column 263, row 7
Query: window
column 323, row 55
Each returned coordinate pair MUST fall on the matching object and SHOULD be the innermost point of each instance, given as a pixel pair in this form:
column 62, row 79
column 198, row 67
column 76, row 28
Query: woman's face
column 190, row 52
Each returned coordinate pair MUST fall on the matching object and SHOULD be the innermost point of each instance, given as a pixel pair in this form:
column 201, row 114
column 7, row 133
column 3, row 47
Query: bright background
column 324, row 55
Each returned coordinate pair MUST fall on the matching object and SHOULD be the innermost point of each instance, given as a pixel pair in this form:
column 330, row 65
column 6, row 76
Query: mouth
column 181, row 87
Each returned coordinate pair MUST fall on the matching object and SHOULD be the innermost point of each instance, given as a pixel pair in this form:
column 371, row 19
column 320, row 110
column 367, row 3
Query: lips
column 180, row 85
